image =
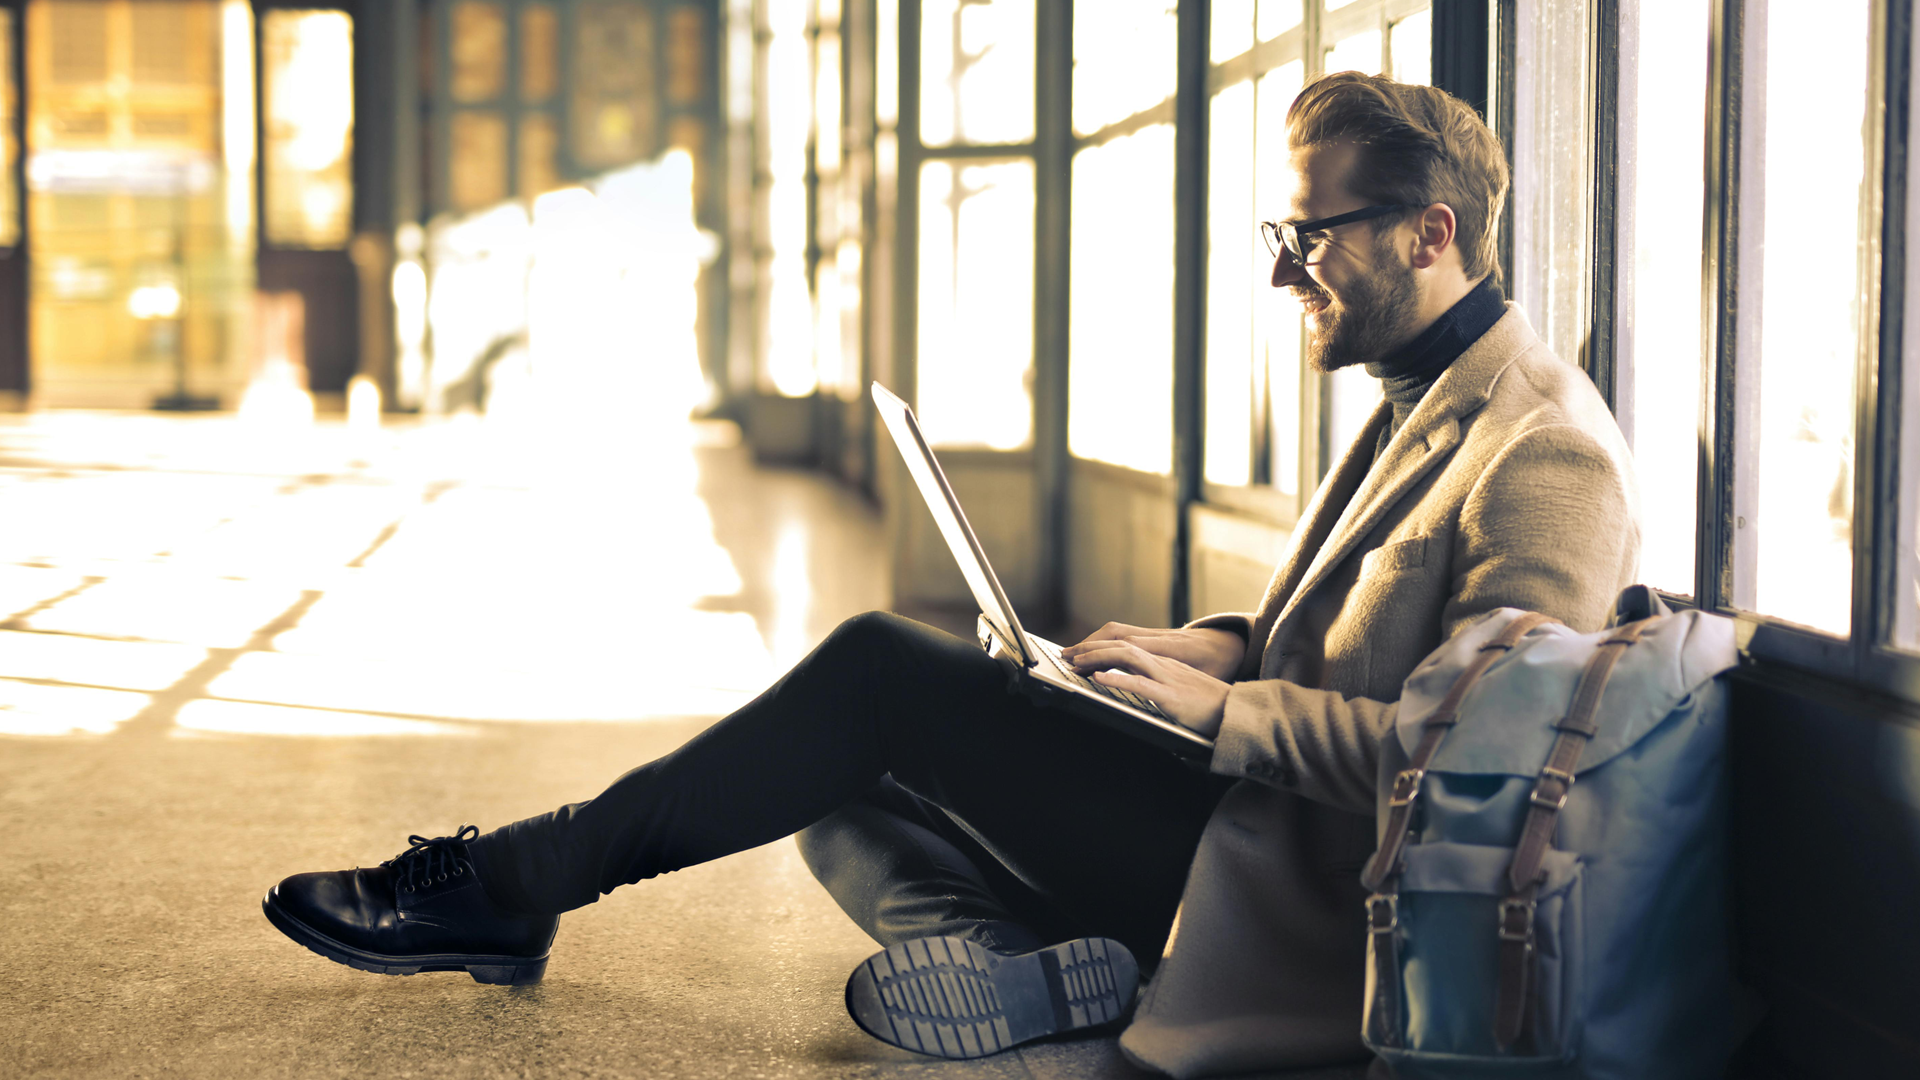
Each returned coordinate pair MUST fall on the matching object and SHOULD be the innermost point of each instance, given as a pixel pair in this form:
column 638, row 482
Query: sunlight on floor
column 365, row 589
column 168, row 571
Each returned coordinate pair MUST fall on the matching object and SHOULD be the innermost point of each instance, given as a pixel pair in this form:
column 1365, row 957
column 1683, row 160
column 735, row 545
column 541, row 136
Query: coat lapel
column 1426, row 439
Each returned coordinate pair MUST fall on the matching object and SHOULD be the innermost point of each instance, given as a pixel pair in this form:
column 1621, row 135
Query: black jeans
column 934, row 801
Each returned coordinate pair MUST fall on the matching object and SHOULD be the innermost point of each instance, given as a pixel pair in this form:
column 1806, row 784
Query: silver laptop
column 1037, row 660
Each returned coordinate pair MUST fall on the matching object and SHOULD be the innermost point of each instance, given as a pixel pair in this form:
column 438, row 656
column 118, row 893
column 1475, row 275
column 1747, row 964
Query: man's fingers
column 1126, row 680
column 1113, row 631
column 1115, row 654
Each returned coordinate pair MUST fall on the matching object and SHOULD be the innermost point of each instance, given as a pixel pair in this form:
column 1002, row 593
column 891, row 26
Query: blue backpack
column 1549, row 895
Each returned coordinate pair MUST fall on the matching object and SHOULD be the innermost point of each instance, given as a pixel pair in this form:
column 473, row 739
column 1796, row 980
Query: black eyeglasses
column 1285, row 236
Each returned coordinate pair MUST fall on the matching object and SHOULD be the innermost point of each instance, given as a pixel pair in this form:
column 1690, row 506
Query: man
column 1016, row 860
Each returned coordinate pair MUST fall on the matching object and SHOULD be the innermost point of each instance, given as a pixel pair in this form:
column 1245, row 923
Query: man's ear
column 1433, row 234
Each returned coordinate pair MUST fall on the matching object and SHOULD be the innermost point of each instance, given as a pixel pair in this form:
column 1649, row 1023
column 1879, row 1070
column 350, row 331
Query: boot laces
column 429, row 860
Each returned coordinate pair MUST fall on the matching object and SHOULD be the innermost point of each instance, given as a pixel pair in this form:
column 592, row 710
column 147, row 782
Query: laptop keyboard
column 1052, row 652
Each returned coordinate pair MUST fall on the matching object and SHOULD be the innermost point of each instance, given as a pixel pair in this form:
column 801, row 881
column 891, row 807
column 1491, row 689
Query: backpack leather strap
column 1406, row 785
column 1545, row 803
column 1383, row 907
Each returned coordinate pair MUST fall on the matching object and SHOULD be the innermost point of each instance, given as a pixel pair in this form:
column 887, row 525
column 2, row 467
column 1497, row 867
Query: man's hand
column 1214, row 652
column 1182, row 671
column 1192, row 698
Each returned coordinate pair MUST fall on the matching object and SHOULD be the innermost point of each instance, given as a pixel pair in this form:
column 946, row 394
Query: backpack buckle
column 1516, row 920
column 1406, row 786
column 1383, row 913
column 1544, row 796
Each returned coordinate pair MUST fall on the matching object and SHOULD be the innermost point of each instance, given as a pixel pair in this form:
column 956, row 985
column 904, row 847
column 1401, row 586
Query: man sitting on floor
column 1016, row 859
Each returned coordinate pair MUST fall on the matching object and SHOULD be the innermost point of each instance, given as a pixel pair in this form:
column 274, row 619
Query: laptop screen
column 940, row 500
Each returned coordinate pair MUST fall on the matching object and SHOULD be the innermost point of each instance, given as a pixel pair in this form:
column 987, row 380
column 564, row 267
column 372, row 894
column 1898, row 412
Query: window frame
column 1866, row 658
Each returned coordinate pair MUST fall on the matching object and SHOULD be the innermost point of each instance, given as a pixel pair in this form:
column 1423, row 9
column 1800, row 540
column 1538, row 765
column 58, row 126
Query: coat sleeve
column 1551, row 526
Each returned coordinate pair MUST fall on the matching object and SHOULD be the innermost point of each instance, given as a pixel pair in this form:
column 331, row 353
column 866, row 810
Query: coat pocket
column 1435, row 1018
column 1402, row 555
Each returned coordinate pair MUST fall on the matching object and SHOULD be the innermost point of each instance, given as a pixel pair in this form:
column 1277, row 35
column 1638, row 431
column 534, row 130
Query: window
column 1552, row 143
column 1801, row 308
column 1120, row 308
column 787, row 301
column 976, row 71
column 308, row 59
column 976, row 302
column 976, row 223
column 1657, row 340
column 1270, row 423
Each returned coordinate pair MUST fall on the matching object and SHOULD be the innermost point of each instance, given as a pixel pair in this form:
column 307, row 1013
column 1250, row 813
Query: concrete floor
column 227, row 655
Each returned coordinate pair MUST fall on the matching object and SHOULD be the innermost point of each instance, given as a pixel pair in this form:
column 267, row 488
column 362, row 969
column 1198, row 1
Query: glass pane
column 613, row 108
column 160, row 44
column 1231, row 27
column 1120, row 317
column 1793, row 501
column 477, row 169
column 976, row 303
column 1279, row 16
column 308, row 57
column 1657, row 350
column 478, row 32
column 539, row 154
column 1277, row 322
column 1360, row 52
column 9, row 143
column 1123, row 60
column 1412, row 43
column 788, row 88
column 1351, row 396
column 1234, row 266
column 886, row 63
column 826, row 101
column 1552, row 150
column 976, row 71
column 140, row 174
column 686, row 55
column 539, row 53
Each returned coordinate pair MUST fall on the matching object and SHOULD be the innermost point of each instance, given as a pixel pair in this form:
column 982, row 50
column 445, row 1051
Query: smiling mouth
column 1313, row 303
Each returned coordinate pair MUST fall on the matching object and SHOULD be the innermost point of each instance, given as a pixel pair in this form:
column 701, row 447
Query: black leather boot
column 422, row 910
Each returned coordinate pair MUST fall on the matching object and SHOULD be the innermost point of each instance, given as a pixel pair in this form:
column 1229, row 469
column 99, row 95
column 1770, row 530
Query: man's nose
column 1286, row 271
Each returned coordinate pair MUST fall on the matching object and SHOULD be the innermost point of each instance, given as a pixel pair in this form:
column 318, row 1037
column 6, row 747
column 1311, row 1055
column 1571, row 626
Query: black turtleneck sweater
column 1407, row 375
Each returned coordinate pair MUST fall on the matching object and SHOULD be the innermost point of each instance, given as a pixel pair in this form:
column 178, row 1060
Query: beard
column 1368, row 318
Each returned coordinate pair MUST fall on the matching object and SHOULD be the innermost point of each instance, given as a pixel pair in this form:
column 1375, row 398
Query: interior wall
column 1826, row 820
column 1233, row 557
column 996, row 489
column 1120, row 545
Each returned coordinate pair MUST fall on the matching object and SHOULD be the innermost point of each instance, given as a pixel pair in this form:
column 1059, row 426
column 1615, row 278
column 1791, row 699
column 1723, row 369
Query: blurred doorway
column 139, row 166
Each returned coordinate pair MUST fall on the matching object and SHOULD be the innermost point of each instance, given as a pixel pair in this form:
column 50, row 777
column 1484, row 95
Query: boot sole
column 492, row 970
column 950, row 998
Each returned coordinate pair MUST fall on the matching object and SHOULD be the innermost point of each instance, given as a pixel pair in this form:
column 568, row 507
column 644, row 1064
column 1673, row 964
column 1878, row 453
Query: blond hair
column 1418, row 146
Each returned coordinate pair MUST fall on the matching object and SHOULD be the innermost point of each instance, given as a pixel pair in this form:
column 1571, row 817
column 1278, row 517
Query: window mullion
column 1191, row 101
column 1603, row 190
column 1877, row 500
column 1719, row 282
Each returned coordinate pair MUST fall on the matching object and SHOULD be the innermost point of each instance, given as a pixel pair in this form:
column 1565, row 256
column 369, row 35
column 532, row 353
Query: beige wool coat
column 1509, row 486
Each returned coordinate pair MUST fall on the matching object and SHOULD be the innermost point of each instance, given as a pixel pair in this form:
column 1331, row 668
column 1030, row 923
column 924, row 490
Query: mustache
column 1302, row 295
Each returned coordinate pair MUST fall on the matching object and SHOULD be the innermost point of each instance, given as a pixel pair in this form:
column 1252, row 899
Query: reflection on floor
column 224, row 659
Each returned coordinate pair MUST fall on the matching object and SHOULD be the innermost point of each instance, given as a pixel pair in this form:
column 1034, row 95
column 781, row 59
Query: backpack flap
column 1515, row 704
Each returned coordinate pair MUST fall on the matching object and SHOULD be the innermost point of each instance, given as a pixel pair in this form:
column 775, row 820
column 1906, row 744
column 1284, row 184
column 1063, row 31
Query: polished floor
column 229, row 652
